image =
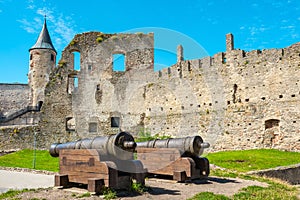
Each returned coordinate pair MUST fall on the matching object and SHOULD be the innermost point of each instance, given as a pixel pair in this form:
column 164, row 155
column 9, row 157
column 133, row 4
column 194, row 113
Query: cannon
column 188, row 146
column 121, row 145
column 103, row 161
column 175, row 157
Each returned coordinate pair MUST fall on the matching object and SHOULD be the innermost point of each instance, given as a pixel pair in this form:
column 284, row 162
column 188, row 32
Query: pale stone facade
column 234, row 99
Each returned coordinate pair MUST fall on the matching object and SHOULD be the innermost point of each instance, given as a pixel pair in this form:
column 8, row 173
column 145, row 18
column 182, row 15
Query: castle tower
column 180, row 53
column 229, row 42
column 42, row 61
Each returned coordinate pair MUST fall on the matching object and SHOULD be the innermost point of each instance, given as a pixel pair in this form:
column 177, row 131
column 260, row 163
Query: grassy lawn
column 235, row 162
column 274, row 191
column 256, row 159
column 24, row 159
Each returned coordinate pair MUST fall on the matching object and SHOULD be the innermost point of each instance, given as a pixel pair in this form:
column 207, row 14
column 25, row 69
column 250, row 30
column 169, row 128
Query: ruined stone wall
column 19, row 137
column 56, row 108
column 262, row 95
column 234, row 99
column 13, row 97
column 103, row 94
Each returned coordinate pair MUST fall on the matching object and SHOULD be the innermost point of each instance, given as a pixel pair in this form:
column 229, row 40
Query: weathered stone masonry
column 235, row 99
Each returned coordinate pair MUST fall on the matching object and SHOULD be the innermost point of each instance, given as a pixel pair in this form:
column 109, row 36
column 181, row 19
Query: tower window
column 52, row 57
column 30, row 56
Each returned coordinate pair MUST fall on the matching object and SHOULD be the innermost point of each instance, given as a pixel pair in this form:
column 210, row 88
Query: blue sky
column 257, row 24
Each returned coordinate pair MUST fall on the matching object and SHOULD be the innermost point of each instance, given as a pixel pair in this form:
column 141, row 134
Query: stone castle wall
column 13, row 97
column 234, row 99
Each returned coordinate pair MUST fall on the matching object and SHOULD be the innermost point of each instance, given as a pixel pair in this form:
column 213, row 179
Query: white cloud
column 30, row 27
column 288, row 27
column 59, row 26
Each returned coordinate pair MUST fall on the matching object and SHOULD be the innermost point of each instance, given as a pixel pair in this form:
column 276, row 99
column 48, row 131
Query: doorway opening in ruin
column 270, row 123
column 119, row 62
column 70, row 124
column 272, row 133
column 72, row 83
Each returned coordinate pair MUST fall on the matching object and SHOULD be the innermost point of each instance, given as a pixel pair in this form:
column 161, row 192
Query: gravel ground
column 159, row 189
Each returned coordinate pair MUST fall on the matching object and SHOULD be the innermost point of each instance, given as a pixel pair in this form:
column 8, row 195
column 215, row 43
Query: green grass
column 209, row 196
column 256, row 159
column 274, row 191
column 24, row 159
column 13, row 193
column 238, row 162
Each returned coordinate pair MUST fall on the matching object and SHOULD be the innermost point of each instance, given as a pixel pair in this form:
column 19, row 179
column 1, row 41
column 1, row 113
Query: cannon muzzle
column 188, row 146
column 121, row 145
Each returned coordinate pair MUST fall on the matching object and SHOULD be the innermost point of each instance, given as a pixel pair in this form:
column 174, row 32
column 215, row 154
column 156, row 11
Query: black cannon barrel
column 189, row 146
column 121, row 145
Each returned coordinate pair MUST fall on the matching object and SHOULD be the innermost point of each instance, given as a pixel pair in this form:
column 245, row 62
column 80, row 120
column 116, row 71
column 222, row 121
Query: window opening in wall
column 119, row 62
column 30, row 56
column 280, row 96
column 293, row 95
column 75, row 83
column 243, row 53
column 93, row 127
column 76, row 60
column 169, row 70
column 234, row 93
column 70, row 124
column 115, row 122
column 270, row 123
column 72, row 83
column 52, row 57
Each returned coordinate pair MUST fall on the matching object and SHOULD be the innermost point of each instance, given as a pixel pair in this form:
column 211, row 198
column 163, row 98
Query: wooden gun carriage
column 178, row 157
column 98, row 162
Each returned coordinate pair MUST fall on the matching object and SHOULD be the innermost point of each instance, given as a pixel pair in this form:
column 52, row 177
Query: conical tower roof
column 44, row 40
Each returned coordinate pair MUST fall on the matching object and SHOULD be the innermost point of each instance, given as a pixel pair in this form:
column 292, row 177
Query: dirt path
column 160, row 189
